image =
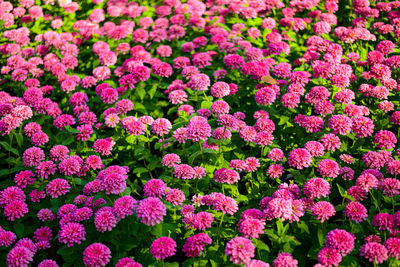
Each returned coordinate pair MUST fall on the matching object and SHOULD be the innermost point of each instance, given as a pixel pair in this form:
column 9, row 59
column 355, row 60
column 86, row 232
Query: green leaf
column 321, row 236
column 141, row 92
column 65, row 251
column 206, row 104
column 131, row 139
column 71, row 130
column 20, row 139
column 152, row 91
column 198, row 153
column 19, row 229
column 261, row 245
column 7, row 147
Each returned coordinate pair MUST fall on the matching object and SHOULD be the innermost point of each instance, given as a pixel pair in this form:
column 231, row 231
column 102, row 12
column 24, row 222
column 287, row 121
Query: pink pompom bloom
column 257, row 263
column 240, row 250
column 154, row 188
column 43, row 233
column 175, row 197
column 385, row 139
column 7, row 238
column 96, row 254
column 363, row 126
column 316, row 187
column 300, row 158
column 251, row 227
column 151, row 211
column 57, row 187
column 48, row 263
column 124, row 262
column 161, row 126
column 392, row 244
column 33, row 156
column 328, row 168
column 226, row 205
column 163, row 247
column 347, row 158
column 340, row 124
column 72, row 233
column 198, row 129
column 59, row 152
column 11, row 193
column 45, row 214
column 184, row 171
column 390, row 187
column 367, row 181
column 171, row 160
column 340, row 240
column 331, row 142
column 24, row 178
column 45, row 169
column 265, row 96
column 279, row 208
column 284, row 259
column 19, row 256
column 202, row 220
column 323, row 210
column 104, row 146
column 194, row 245
column 70, row 166
column 329, row 257
column 15, row 209
column 105, row 220
column 374, row 252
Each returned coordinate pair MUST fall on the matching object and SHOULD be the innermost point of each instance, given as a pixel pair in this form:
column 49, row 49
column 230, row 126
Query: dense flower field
column 199, row 133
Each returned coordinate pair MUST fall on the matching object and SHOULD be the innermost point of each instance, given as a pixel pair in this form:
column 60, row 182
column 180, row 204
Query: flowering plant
column 199, row 133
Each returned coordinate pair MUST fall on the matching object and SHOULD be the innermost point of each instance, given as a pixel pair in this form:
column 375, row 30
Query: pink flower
column 340, row 124
column 194, row 245
column 96, row 254
column 374, row 252
column 226, row 205
column 251, row 227
column 15, row 209
column 392, row 244
column 57, row 187
column 184, row 171
column 240, row 249
column 7, row 238
column 161, row 126
column 340, row 240
column 323, row 210
column 198, row 128
column 151, row 211
column 202, row 220
column 19, row 257
column 154, row 188
column 279, row 208
column 105, row 220
column 300, row 158
column 284, row 259
column 316, row 187
column 385, row 139
column 329, row 256
column 103, row 146
column 71, row 233
column 163, row 247
column 328, row 168
column 175, row 197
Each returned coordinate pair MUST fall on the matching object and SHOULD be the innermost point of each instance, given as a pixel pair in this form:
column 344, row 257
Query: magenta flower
column 163, row 247
column 240, row 250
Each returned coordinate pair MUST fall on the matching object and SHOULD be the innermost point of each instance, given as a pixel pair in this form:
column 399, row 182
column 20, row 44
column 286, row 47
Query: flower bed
column 199, row 133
